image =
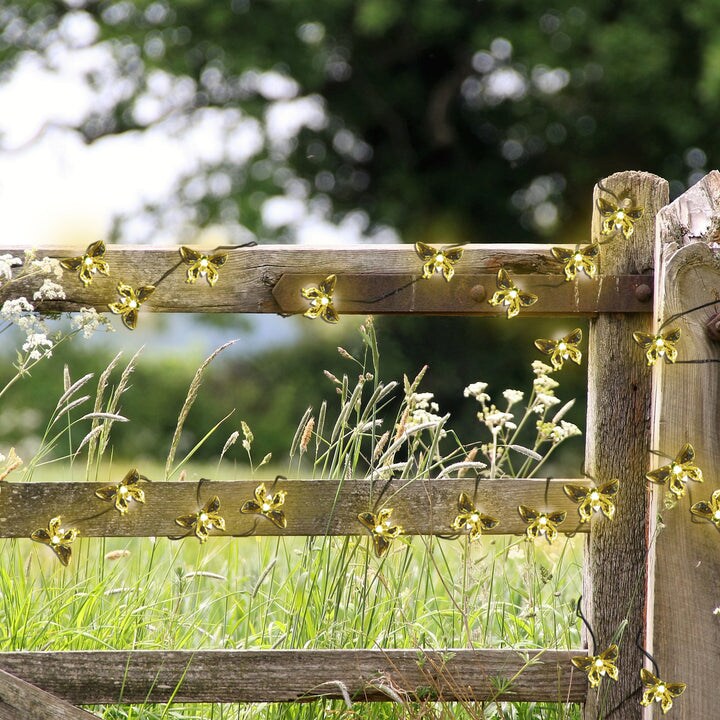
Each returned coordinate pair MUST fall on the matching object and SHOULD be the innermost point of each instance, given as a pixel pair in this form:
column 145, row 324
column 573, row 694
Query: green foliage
column 423, row 130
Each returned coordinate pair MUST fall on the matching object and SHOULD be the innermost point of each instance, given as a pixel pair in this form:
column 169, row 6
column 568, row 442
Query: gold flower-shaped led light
column 204, row 520
column 541, row 524
column 381, row 529
column 267, row 504
column 469, row 518
column 321, row 300
column 657, row 690
column 438, row 261
column 57, row 539
column 510, row 295
column 617, row 219
column 659, row 346
column 582, row 258
column 561, row 350
column 201, row 265
column 598, row 666
column 88, row 264
column 130, row 302
column 594, row 499
column 125, row 491
column 678, row 472
column 709, row 510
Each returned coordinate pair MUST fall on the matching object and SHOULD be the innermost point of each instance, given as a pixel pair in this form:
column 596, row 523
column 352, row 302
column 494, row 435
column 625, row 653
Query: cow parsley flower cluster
column 555, row 432
column 26, row 315
column 21, row 313
column 507, row 426
column 7, row 263
column 423, row 411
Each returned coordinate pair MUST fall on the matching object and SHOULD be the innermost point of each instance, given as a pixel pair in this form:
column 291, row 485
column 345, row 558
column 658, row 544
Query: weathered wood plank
column 268, row 279
column 7, row 712
column 32, row 703
column 683, row 632
column 469, row 294
column 312, row 507
column 296, row 675
column 617, row 446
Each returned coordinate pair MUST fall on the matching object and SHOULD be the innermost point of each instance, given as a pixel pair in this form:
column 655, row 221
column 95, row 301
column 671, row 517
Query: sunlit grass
column 290, row 593
column 317, row 592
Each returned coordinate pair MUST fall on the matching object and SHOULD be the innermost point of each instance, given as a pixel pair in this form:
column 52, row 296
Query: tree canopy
column 448, row 121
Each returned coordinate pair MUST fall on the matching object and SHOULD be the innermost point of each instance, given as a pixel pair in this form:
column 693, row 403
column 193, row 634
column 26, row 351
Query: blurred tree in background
column 447, row 121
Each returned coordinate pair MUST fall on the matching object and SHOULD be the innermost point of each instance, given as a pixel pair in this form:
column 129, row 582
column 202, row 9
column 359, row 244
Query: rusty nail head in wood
column 712, row 327
column 477, row 293
column 643, row 292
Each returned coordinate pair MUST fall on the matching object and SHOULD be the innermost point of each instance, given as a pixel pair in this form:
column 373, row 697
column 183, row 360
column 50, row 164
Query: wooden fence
column 677, row 569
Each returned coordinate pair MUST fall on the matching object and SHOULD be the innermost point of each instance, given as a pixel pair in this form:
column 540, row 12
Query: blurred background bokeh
column 209, row 122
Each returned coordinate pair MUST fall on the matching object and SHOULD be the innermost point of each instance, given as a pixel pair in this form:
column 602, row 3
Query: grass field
column 305, row 593
column 291, row 593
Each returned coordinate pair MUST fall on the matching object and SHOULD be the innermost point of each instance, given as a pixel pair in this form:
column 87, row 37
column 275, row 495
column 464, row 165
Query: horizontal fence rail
column 371, row 279
column 311, row 507
column 463, row 675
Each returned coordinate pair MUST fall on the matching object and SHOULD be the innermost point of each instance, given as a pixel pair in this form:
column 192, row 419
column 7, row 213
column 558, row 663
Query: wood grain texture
column 32, row 703
column 7, row 712
column 268, row 279
column 312, row 507
column 683, row 633
column 617, row 446
column 297, row 675
column 359, row 294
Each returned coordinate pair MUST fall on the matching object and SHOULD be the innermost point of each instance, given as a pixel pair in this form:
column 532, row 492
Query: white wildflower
column 477, row 391
column 546, row 384
column 540, row 368
column 421, row 411
column 88, row 320
column 495, row 420
column 543, row 402
column 48, row 266
column 7, row 263
column 422, row 417
column 556, row 433
column 421, row 400
column 570, row 429
column 35, row 344
column 31, row 323
column 49, row 290
column 513, row 396
column 14, row 309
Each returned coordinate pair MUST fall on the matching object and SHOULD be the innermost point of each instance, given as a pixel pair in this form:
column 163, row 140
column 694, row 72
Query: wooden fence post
column 617, row 445
column 682, row 624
